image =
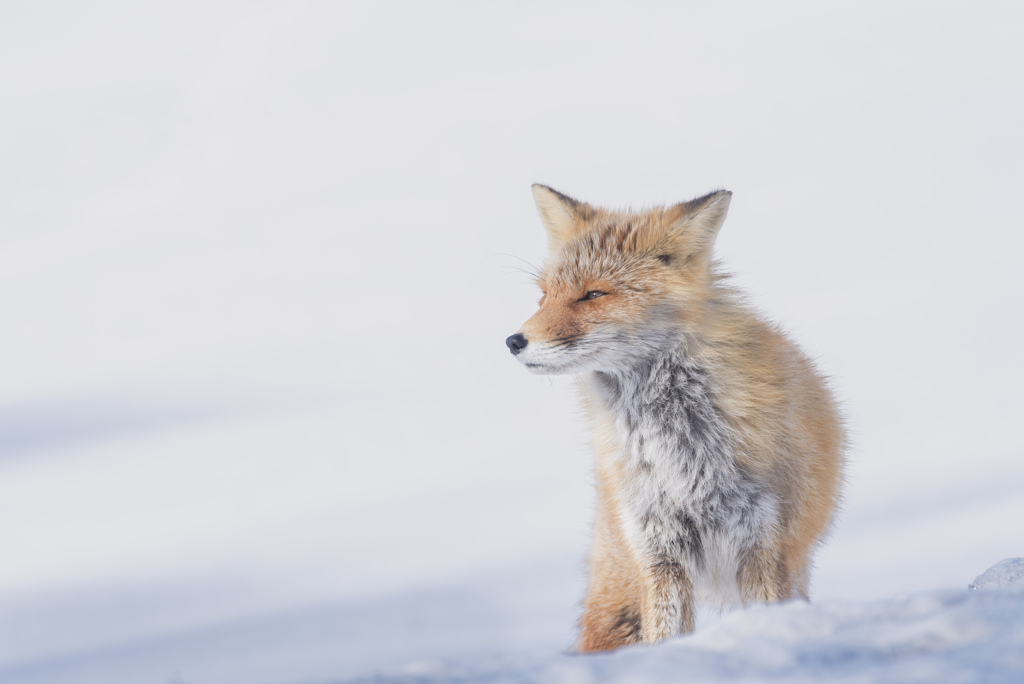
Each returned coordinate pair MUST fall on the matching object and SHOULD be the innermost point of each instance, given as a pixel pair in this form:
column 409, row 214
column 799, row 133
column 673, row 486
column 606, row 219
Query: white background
column 258, row 261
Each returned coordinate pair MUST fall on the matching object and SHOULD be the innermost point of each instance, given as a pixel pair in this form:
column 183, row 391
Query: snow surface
column 1008, row 572
column 939, row 636
column 258, row 261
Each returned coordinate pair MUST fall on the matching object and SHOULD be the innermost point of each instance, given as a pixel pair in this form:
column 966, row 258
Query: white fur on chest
column 683, row 499
column 660, row 486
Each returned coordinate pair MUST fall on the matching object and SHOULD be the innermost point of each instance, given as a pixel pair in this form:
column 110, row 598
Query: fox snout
column 516, row 343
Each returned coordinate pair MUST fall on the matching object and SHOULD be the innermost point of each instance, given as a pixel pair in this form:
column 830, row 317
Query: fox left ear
column 695, row 225
column 561, row 215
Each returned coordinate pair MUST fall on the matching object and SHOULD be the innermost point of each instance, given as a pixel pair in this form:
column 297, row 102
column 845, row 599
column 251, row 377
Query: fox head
column 618, row 285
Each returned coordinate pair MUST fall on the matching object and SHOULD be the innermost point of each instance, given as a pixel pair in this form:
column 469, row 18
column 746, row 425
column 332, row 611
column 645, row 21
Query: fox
column 719, row 446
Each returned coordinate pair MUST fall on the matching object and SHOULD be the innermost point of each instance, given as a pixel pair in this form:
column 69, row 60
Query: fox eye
column 593, row 294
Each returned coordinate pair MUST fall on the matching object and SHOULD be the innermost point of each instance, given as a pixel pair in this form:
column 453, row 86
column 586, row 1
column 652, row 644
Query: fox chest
column 681, row 496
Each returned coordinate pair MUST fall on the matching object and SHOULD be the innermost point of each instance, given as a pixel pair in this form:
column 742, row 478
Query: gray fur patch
column 687, row 502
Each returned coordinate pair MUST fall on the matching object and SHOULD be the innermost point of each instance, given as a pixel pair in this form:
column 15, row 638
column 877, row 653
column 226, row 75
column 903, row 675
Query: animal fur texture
column 719, row 446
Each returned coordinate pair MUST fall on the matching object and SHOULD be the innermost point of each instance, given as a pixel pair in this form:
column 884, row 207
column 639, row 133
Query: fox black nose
column 516, row 343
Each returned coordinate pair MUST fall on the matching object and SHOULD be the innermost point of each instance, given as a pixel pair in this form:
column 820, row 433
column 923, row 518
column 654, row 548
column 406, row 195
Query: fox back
column 719, row 447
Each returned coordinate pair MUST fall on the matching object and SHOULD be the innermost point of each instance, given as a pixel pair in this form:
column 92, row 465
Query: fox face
column 617, row 285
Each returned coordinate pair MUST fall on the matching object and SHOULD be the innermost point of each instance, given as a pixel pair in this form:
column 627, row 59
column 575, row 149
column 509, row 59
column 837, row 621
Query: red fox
column 719, row 446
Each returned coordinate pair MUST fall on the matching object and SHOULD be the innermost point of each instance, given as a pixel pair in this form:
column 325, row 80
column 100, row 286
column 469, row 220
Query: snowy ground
column 942, row 636
column 258, row 260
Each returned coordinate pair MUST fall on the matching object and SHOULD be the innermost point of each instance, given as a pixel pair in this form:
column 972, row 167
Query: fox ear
column 695, row 224
column 561, row 215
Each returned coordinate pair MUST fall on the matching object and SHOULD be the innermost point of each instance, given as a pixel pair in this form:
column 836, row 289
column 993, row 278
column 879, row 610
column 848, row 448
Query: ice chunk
column 1008, row 572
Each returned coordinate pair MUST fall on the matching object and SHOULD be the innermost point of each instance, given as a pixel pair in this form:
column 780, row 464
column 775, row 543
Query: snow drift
column 972, row 635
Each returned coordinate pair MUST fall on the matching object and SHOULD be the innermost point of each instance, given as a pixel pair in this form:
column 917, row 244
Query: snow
column 1008, row 572
column 257, row 420
column 947, row 636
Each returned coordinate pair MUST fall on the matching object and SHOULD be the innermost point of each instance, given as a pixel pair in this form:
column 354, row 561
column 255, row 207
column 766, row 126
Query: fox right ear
column 561, row 215
column 695, row 225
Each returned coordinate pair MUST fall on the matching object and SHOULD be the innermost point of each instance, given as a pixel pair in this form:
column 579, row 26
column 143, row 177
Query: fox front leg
column 764, row 576
column 668, row 607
